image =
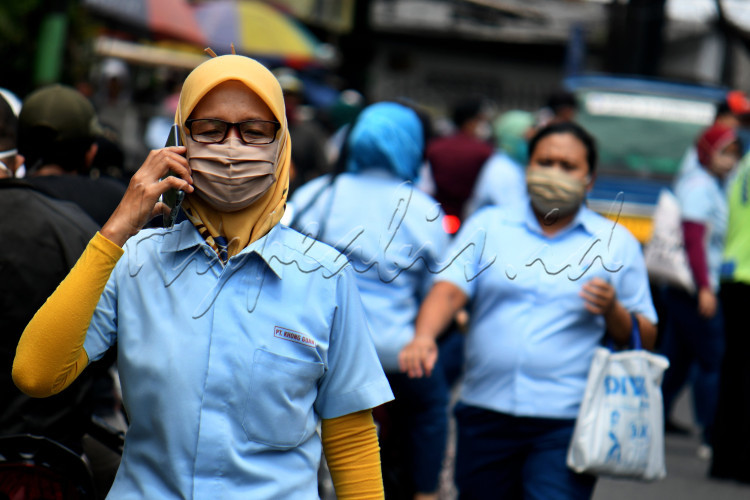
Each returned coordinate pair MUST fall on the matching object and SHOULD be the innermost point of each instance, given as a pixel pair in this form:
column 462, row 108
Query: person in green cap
column 57, row 134
column 502, row 180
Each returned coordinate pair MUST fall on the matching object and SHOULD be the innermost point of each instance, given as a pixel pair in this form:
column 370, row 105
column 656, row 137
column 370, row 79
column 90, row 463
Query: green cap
column 62, row 110
column 57, row 125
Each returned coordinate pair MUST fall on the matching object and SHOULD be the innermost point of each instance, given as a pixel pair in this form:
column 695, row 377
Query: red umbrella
column 162, row 18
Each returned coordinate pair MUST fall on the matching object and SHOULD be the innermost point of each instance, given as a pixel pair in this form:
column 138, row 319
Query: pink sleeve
column 694, row 234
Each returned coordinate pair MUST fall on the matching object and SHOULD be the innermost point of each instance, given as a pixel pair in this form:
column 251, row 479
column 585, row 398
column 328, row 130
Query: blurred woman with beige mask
column 561, row 277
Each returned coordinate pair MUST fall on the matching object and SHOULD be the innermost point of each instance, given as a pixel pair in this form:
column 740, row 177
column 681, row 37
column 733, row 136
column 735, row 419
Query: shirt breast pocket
column 279, row 406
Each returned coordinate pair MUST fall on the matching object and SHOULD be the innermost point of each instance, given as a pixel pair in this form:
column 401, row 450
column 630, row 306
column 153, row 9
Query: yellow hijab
column 249, row 224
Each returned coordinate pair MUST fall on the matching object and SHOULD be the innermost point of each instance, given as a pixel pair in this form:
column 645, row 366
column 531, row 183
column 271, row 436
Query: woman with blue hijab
column 391, row 234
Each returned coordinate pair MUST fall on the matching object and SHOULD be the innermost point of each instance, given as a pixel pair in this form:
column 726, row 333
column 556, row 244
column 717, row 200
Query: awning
column 151, row 55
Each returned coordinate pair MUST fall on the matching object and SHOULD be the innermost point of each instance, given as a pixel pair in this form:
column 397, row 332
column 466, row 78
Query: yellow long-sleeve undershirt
column 50, row 353
column 50, row 356
column 352, row 451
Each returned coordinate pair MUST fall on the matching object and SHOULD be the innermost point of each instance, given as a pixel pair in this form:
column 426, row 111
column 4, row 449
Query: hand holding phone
column 172, row 198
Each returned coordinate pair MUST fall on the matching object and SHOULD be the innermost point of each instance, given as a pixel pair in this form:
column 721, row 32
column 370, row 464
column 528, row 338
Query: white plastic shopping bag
column 620, row 427
column 665, row 256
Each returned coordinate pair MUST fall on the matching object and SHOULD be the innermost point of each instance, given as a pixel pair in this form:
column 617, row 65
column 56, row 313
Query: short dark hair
column 723, row 109
column 56, row 125
column 575, row 130
column 8, row 126
column 561, row 99
column 40, row 147
column 465, row 111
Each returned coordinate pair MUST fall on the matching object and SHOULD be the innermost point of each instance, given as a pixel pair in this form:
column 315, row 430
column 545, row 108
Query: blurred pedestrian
column 455, row 160
column 119, row 109
column 694, row 327
column 57, row 132
column 502, row 180
column 234, row 341
column 308, row 136
column 731, row 443
column 10, row 160
column 543, row 286
column 728, row 113
column 41, row 240
column 392, row 235
column 561, row 106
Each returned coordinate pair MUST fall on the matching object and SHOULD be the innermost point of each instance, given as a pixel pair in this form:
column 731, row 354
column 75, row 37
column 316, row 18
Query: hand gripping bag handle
column 635, row 336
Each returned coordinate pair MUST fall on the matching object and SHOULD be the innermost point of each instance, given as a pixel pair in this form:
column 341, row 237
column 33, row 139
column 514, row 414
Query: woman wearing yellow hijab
column 234, row 339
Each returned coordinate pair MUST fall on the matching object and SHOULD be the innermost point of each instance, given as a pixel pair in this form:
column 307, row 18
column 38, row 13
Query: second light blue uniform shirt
column 227, row 369
column 501, row 183
column 703, row 199
column 531, row 340
column 392, row 234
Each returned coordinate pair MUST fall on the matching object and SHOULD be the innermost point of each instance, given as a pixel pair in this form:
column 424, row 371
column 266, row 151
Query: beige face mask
column 553, row 189
column 232, row 175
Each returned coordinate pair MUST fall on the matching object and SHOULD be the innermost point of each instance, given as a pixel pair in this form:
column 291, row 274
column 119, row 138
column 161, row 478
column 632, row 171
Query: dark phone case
column 172, row 198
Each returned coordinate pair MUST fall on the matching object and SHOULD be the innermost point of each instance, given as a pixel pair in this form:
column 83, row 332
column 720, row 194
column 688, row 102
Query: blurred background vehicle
column 643, row 128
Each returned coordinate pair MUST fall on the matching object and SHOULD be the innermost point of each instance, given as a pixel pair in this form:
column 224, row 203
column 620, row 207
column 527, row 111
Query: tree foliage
column 20, row 24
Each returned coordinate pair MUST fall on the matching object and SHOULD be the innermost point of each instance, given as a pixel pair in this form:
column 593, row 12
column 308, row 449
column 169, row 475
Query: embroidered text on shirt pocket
column 279, row 407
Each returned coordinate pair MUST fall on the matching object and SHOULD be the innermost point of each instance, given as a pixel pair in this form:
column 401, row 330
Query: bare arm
column 436, row 313
column 600, row 298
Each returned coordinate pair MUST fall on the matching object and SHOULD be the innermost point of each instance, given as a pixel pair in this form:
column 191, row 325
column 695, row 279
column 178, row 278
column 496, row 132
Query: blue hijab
column 387, row 136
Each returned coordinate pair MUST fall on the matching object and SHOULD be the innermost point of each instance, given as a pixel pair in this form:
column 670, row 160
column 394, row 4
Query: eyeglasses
column 213, row 130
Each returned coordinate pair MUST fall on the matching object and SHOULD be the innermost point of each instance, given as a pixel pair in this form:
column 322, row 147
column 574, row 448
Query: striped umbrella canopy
column 170, row 19
column 256, row 29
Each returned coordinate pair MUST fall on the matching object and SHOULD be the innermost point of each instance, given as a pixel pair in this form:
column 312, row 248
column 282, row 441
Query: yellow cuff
column 352, row 451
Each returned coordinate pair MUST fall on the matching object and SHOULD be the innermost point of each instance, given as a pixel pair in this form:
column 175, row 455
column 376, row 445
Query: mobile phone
column 173, row 197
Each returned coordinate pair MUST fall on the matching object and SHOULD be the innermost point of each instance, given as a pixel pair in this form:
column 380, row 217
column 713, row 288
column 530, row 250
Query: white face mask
column 6, row 159
column 552, row 189
column 232, row 175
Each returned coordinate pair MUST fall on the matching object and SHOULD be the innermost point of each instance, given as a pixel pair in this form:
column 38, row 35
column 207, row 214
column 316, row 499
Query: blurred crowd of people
column 467, row 250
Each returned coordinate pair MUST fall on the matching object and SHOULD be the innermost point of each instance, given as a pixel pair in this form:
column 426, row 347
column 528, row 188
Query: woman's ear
column 590, row 183
column 91, row 154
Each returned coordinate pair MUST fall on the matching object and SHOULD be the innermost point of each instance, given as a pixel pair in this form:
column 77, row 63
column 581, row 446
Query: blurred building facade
column 515, row 52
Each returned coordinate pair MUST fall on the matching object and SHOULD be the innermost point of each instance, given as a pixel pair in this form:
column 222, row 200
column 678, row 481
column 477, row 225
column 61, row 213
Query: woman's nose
column 234, row 131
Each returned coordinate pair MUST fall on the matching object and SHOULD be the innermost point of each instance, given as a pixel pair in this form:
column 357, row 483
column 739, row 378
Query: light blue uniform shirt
column 531, row 340
column 393, row 236
column 703, row 199
column 227, row 370
column 501, row 183
column 688, row 163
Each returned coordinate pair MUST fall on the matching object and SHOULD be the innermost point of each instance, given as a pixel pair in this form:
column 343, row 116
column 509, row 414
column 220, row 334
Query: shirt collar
column 183, row 237
column 585, row 218
column 269, row 248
